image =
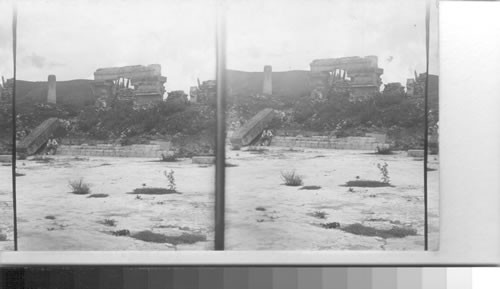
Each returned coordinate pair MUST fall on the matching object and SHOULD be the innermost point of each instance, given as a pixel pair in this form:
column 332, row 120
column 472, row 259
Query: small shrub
column 3, row 237
column 171, row 180
column 384, row 172
column 98, row 196
column 310, row 188
column 108, row 222
column 385, row 150
column 291, row 178
column 49, row 217
column 168, row 157
column 79, row 187
column 152, row 191
column 319, row 215
column 260, row 209
column 394, row 232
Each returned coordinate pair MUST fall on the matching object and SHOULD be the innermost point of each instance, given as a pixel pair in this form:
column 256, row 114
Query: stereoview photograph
column 331, row 118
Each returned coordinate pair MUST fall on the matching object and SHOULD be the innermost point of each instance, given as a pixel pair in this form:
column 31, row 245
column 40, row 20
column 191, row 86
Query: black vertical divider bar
column 14, row 129
column 426, row 123
column 220, row 153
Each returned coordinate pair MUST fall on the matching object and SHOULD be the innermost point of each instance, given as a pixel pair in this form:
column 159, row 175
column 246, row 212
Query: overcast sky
column 72, row 39
column 289, row 34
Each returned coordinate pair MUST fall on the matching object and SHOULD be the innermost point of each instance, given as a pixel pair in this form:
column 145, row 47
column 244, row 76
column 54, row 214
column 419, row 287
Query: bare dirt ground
column 6, row 211
column 261, row 212
column 264, row 214
column 50, row 217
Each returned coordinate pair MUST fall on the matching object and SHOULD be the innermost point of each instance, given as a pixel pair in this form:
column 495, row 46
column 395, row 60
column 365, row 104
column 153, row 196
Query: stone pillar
column 268, row 80
column 51, row 93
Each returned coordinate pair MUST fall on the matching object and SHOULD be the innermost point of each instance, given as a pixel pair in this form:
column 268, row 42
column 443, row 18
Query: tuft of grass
column 430, row 169
column 184, row 238
column 153, row 191
column 121, row 233
column 50, row 217
column 291, row 178
column 310, row 188
column 19, row 175
column 394, row 232
column 98, row 196
column 79, row 187
column 366, row 184
column 319, row 214
column 229, row 165
column 108, row 222
column 260, row 209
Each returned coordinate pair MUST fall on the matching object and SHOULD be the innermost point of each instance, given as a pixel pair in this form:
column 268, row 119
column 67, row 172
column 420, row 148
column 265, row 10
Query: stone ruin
column 359, row 76
column 205, row 92
column 143, row 85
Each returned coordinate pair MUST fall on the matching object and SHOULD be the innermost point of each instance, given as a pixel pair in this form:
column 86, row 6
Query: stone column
column 51, row 93
column 268, row 80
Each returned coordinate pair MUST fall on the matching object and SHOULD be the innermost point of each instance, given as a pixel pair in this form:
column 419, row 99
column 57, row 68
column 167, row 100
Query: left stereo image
column 115, row 125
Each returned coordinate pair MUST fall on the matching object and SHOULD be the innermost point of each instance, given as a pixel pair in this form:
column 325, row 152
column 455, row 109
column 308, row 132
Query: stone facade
column 361, row 73
column 146, row 83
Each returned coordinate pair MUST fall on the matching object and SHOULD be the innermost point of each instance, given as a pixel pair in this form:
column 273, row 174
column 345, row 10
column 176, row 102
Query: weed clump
column 384, row 172
column 171, row 180
column 291, row 178
column 79, row 187
column 108, row 222
column 319, row 214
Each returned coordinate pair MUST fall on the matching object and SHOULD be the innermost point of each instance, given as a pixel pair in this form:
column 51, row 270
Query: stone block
column 416, row 153
column 205, row 160
column 5, row 158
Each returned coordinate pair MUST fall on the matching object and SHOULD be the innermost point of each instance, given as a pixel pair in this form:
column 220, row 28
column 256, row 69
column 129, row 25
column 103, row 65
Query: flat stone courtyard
column 261, row 212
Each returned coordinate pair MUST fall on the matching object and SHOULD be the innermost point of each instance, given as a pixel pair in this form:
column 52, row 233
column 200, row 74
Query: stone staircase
column 252, row 128
column 39, row 136
column 328, row 142
column 110, row 150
